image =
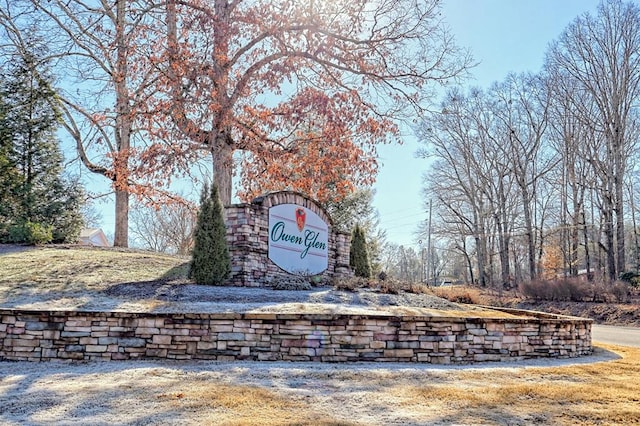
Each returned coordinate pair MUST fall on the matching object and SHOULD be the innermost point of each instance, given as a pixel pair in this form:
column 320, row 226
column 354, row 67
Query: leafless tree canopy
column 167, row 229
column 544, row 164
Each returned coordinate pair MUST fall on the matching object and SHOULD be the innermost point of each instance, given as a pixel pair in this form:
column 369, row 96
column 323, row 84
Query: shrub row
column 393, row 286
column 575, row 290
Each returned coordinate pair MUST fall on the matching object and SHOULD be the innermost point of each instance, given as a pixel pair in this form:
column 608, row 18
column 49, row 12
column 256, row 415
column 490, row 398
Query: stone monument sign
column 283, row 234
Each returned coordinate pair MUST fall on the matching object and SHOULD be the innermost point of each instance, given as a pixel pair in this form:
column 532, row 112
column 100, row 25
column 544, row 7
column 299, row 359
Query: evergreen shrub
column 358, row 254
column 30, row 233
column 210, row 261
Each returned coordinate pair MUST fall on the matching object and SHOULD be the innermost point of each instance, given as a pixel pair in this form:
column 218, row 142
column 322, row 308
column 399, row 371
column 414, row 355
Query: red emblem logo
column 301, row 217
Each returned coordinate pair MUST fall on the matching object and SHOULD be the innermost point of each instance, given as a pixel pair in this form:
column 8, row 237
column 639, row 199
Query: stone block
column 325, row 352
column 88, row 341
column 108, row 341
column 36, row 326
column 149, row 323
column 160, row 339
column 23, row 349
column 427, row 345
column 302, row 352
column 146, row 330
column 205, row 346
column 511, row 339
column 221, row 328
column 49, row 353
column 132, row 342
column 377, row 344
column 74, row 348
column 71, row 355
column 230, row 336
column 440, row 359
column 361, row 340
column 486, row 357
column 156, row 353
column 175, row 331
column 21, row 342
column 398, row 353
column 77, row 324
column 225, row 358
column 67, row 333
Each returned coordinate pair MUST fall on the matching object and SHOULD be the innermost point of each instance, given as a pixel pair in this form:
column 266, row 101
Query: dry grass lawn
column 270, row 394
column 602, row 393
column 72, row 277
column 45, row 268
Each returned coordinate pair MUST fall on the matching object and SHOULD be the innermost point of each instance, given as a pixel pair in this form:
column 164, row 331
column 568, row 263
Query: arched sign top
column 291, row 197
column 298, row 239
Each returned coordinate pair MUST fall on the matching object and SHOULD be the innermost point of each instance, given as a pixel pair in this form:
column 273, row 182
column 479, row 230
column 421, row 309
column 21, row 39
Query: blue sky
column 504, row 36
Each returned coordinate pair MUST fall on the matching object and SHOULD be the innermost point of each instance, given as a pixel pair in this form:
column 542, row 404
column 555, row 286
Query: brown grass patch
column 602, row 393
column 588, row 394
column 246, row 405
column 459, row 294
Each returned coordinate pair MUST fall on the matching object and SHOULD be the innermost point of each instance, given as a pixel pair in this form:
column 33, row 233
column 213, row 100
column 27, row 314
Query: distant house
column 93, row 237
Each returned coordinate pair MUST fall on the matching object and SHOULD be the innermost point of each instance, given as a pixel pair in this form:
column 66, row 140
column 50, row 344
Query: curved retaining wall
column 72, row 335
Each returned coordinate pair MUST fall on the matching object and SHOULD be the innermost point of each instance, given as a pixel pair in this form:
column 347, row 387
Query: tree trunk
column 468, row 260
column 121, row 237
column 619, row 206
column 621, row 264
column 222, row 156
column 123, row 133
column 575, row 241
column 607, row 214
column 529, row 234
column 481, row 260
column 503, row 237
column 587, row 256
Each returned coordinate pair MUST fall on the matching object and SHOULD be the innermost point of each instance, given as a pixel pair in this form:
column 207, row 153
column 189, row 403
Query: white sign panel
column 298, row 240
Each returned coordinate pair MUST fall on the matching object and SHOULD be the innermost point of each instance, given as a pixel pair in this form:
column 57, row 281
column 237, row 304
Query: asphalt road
column 623, row 336
column 13, row 248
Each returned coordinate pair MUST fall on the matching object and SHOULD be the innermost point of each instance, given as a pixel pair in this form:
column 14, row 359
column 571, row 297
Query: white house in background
column 93, row 237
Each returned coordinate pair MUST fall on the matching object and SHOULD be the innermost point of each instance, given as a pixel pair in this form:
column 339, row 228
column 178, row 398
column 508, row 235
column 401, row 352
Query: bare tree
column 402, row 263
column 569, row 139
column 357, row 209
column 521, row 106
column 464, row 170
column 601, row 54
column 167, row 229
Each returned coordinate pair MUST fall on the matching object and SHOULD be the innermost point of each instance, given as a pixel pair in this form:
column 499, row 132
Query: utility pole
column 428, row 272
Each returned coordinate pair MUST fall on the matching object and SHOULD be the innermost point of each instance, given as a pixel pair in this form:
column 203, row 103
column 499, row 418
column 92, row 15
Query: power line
column 401, row 218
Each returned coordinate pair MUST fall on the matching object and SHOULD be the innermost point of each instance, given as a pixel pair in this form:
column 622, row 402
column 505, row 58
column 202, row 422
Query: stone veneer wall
column 247, row 235
column 72, row 335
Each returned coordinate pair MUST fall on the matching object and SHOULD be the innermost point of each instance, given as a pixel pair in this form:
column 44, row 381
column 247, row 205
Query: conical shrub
column 358, row 254
column 210, row 262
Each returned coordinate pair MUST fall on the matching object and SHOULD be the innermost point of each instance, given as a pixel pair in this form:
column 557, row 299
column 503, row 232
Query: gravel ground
column 166, row 297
